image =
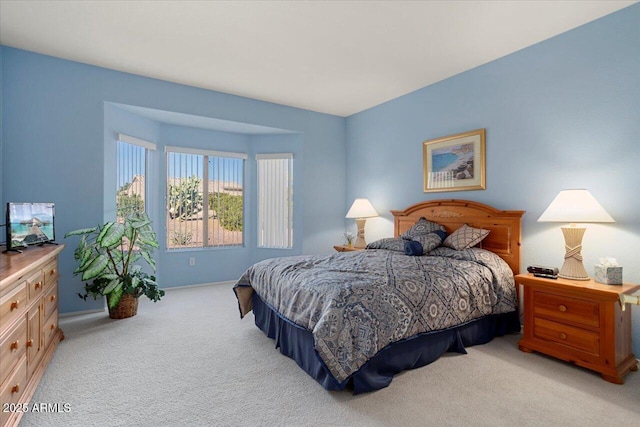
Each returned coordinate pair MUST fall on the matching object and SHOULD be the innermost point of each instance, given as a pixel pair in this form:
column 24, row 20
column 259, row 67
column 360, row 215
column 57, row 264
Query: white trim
column 81, row 313
column 173, row 288
column 136, row 141
column 200, row 285
column 170, row 149
column 266, row 156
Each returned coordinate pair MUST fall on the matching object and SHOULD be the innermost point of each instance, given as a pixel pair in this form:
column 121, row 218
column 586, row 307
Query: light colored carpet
column 190, row 360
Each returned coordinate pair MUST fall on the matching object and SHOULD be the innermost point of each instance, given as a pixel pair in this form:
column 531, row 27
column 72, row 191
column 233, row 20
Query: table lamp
column 574, row 206
column 361, row 209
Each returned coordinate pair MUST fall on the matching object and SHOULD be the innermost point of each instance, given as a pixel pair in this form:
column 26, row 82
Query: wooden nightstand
column 580, row 322
column 342, row 248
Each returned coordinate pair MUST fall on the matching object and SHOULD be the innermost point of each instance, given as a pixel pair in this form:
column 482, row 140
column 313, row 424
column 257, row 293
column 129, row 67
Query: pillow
column 421, row 228
column 432, row 240
column 388, row 243
column 465, row 237
column 423, row 244
column 413, row 248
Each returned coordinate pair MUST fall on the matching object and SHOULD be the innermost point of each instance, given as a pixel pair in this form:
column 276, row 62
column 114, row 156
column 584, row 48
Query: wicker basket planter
column 127, row 307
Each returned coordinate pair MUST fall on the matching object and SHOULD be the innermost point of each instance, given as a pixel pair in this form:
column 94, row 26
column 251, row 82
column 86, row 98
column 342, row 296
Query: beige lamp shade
column 361, row 209
column 574, row 206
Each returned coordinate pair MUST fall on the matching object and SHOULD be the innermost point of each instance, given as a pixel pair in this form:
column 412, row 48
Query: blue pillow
column 420, row 245
column 413, row 248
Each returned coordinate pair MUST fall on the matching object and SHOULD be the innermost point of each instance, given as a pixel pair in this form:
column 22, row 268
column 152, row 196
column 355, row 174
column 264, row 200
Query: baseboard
column 173, row 288
column 80, row 313
column 200, row 285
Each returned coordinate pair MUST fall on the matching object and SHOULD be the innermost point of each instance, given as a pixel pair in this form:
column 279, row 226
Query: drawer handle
column 562, row 308
column 14, row 305
column 37, row 285
column 14, row 346
column 15, row 388
column 52, row 272
column 53, row 326
column 53, row 298
column 30, row 343
column 563, row 336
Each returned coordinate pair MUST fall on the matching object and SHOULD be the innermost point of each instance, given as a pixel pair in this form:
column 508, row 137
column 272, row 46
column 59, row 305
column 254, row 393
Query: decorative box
column 608, row 275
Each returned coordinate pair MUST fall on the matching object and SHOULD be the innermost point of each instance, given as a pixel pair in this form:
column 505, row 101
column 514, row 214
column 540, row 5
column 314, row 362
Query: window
column 275, row 200
column 204, row 185
column 131, row 170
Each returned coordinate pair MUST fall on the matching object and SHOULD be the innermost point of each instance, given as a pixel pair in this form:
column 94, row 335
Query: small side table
column 342, row 248
column 580, row 322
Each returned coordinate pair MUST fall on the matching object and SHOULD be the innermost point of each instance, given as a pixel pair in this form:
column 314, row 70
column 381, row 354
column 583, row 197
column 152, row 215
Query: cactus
column 185, row 198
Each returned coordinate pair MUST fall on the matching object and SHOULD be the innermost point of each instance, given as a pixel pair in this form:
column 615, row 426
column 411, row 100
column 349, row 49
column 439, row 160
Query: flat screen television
column 29, row 224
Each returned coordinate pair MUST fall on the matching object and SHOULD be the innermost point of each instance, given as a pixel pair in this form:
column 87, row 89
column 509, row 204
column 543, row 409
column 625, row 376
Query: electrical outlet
column 192, row 261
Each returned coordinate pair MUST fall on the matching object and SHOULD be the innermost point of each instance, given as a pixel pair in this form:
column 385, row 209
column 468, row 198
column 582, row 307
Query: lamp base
column 573, row 269
column 360, row 242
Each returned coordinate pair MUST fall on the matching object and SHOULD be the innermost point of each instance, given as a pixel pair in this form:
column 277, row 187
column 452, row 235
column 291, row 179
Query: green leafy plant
column 107, row 256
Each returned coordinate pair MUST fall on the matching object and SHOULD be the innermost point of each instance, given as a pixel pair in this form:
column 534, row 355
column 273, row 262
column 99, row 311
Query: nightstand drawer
column 566, row 309
column 579, row 339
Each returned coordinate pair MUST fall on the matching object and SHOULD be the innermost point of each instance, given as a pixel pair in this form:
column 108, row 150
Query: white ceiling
column 336, row 57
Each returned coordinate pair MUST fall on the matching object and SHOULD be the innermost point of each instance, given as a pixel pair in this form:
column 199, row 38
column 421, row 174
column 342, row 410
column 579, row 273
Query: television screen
column 29, row 224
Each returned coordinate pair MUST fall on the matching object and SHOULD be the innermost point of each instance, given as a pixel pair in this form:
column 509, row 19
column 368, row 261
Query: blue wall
column 560, row 114
column 59, row 122
column 2, row 235
column 564, row 113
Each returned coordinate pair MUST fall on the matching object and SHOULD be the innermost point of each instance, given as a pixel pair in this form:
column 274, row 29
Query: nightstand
column 342, row 248
column 580, row 322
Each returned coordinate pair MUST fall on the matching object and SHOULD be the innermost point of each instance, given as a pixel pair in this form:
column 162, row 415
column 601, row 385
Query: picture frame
column 455, row 162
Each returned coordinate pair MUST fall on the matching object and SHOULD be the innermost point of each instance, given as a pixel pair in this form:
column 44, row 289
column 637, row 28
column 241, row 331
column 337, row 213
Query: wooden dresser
column 580, row 322
column 29, row 332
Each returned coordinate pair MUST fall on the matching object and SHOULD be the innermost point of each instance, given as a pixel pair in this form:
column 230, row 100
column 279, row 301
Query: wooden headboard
column 505, row 226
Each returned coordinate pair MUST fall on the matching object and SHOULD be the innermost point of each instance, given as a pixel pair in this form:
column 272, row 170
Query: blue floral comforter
column 356, row 303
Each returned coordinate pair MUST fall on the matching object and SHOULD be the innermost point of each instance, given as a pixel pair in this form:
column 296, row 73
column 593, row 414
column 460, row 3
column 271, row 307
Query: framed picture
column 455, row 163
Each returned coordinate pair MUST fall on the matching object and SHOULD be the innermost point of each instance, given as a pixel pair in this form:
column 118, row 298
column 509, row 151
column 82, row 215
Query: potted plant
column 349, row 237
column 107, row 256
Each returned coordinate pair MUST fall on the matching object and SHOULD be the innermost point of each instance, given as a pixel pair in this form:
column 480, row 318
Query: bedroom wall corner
column 57, row 121
column 560, row 114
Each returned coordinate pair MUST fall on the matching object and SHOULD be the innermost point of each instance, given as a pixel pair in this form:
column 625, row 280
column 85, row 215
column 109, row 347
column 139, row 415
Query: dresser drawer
column 12, row 388
column 13, row 304
column 568, row 309
column 50, row 272
column 49, row 328
column 51, row 301
column 35, row 285
column 12, row 347
column 579, row 339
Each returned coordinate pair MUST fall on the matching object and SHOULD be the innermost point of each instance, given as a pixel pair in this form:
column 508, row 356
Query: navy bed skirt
column 377, row 373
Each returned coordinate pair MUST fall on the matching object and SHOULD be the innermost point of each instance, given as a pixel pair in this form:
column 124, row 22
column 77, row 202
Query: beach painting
column 455, row 162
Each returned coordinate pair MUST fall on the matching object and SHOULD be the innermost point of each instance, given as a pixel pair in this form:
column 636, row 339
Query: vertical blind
column 131, row 171
column 275, row 200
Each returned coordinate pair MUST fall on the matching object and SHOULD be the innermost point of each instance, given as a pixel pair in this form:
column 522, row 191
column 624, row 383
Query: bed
column 355, row 319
